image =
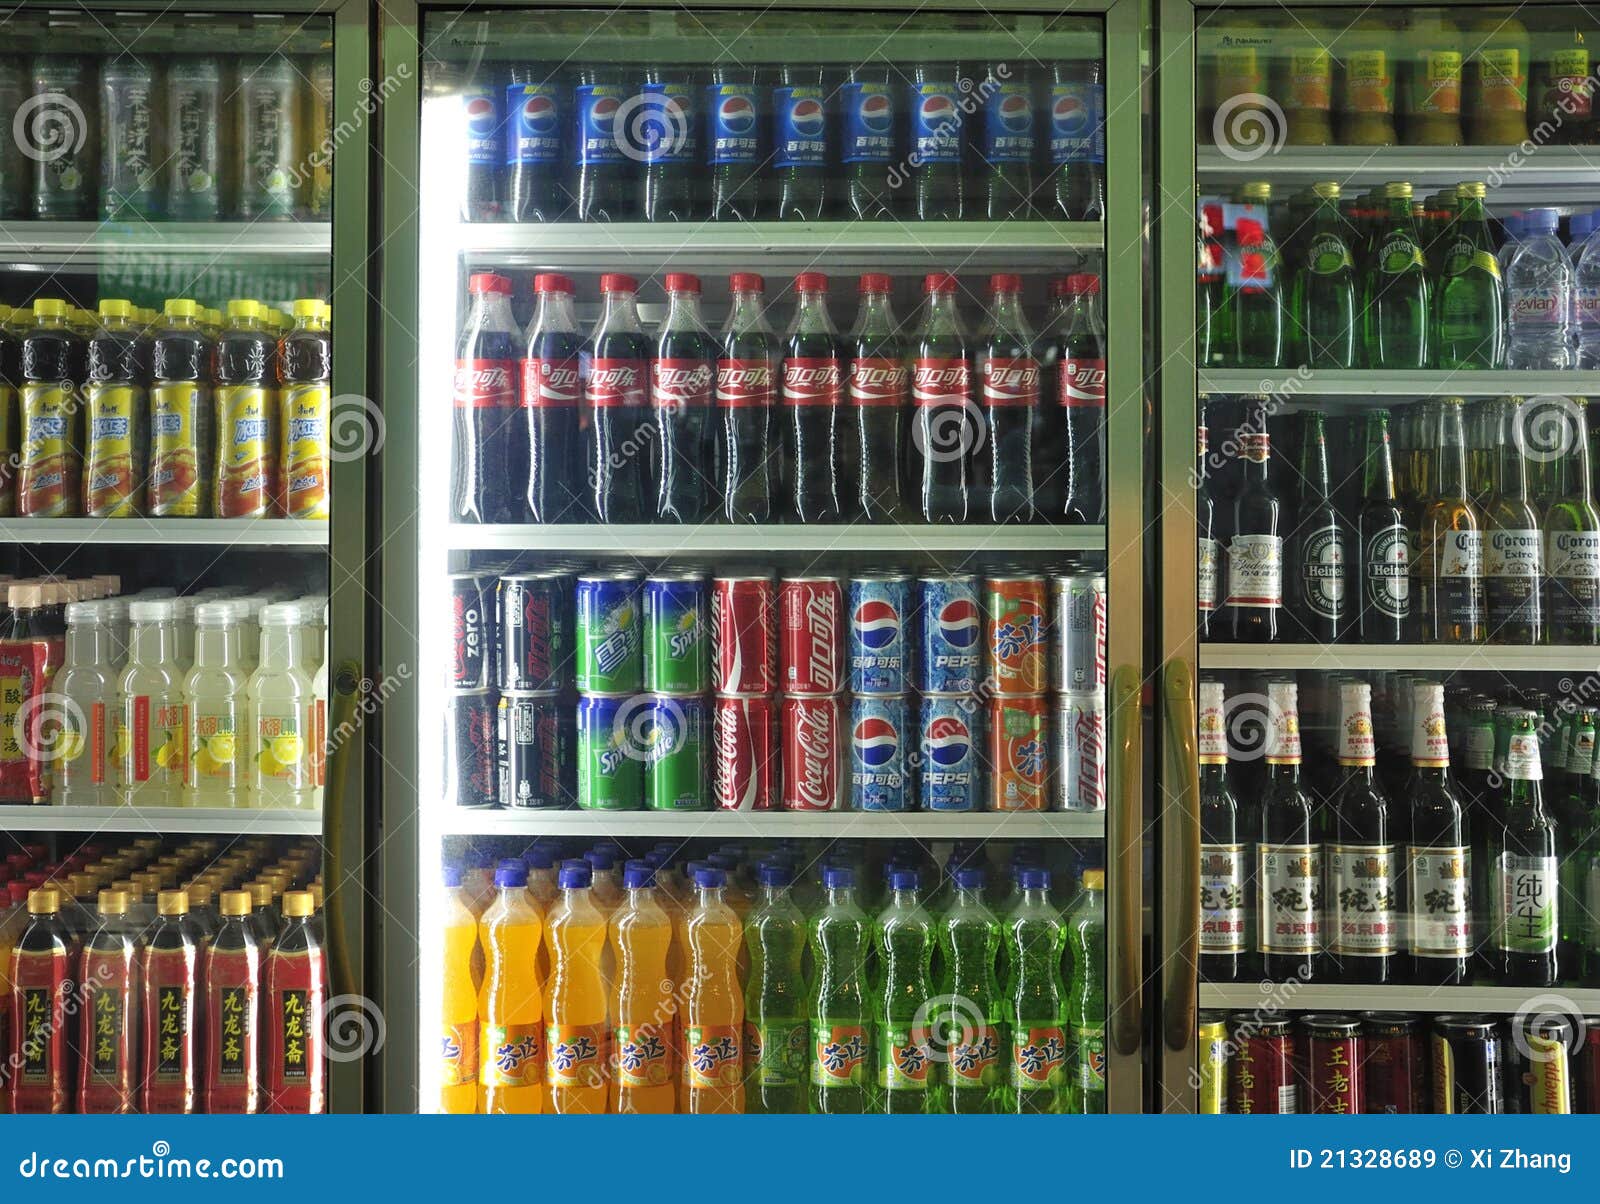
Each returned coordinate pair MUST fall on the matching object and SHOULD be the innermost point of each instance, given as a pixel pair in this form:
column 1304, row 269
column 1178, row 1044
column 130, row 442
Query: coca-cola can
column 742, row 765
column 1080, row 740
column 811, row 635
column 471, row 777
column 472, row 660
column 813, row 753
column 1078, row 617
column 744, row 660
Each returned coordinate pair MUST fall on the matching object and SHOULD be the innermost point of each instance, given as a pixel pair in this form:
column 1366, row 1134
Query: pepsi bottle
column 867, row 146
column 812, row 379
column 481, row 100
column 1008, row 375
column 1078, row 449
column 879, row 391
column 1006, row 144
column 746, row 383
column 736, row 129
column 485, row 407
column 800, row 144
column 667, row 129
column 603, row 175
column 947, row 426
column 552, row 380
column 683, row 379
column 1077, row 150
column 616, row 391
column 937, row 140
column 534, row 120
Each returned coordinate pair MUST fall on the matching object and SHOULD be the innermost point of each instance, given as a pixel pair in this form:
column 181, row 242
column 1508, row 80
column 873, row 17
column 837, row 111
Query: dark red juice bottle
column 296, row 1000
column 41, row 990
column 169, row 991
column 231, row 1079
column 107, row 1025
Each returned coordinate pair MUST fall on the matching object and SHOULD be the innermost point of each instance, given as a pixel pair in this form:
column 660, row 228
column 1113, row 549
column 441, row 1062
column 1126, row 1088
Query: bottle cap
column 551, row 282
column 113, row 902
column 682, row 282
column 297, row 904
column 260, row 893
column 1081, row 283
column 83, row 614
column 243, row 309
column 538, row 859
column 450, row 875
column 1326, row 189
column 616, row 282
column 180, row 307
column 510, row 872
column 1005, row 282
column 903, row 880
column 216, row 614
column 237, row 902
column 199, row 894
column 150, row 610
column 710, row 878
column 770, row 874
column 1033, row 878
column 1543, row 220
column 637, row 875
column 1094, row 879
column 49, row 307
column 44, row 901
column 279, row 614
column 746, row 282
column 838, row 877
column 939, row 282
column 600, row 858
column 970, row 877
column 480, row 282
column 873, row 282
column 112, row 307
column 811, row 282
column 575, row 875
column 172, row 903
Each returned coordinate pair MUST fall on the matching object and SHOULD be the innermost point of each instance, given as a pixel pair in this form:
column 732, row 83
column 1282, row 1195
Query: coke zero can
column 530, row 752
column 741, row 634
column 813, row 753
column 1078, row 622
column 878, row 606
column 742, row 765
column 878, row 737
column 811, row 637
column 472, row 659
column 1080, row 743
column 534, row 619
column 469, row 749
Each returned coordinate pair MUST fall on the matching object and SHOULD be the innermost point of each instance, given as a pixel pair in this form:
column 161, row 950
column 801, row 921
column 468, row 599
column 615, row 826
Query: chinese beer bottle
column 1361, row 859
column 1440, row 935
column 107, row 1042
column 1224, row 854
column 1255, row 546
column 232, row 1073
column 169, row 1038
column 1523, row 878
column 1288, row 852
column 295, row 1071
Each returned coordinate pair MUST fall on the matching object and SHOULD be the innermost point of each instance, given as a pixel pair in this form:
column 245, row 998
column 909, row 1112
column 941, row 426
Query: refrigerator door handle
column 1127, row 917
column 1179, row 1012
column 343, row 907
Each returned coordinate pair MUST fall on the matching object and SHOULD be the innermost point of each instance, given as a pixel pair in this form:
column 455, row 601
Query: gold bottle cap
column 199, row 894
column 1094, row 879
column 297, row 903
column 1257, row 191
column 1327, row 190
column 44, row 901
column 1397, row 190
column 260, row 893
column 235, row 902
column 113, row 903
column 172, row 903
column 315, row 892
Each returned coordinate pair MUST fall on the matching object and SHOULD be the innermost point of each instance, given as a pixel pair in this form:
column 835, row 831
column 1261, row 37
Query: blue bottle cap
column 656, row 858
column 451, row 875
column 1035, row 879
column 904, row 880
column 969, row 877
column 710, row 877
column 479, row 859
column 538, row 859
column 772, row 874
column 694, row 867
column 723, row 861
column 891, row 868
column 838, row 877
column 511, row 873
column 1542, row 220
column 575, row 876
column 600, row 858
column 638, row 874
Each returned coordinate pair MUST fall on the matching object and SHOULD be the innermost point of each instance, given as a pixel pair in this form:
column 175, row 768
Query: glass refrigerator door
column 754, row 563
column 1382, row 826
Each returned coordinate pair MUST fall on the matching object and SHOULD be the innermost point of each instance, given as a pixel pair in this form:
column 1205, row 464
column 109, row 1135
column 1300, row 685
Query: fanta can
column 180, row 415
column 713, row 1001
column 51, row 462
column 305, row 368
column 246, row 483
column 577, row 1027
column 1019, row 753
column 643, row 1020
column 117, row 449
column 511, row 1000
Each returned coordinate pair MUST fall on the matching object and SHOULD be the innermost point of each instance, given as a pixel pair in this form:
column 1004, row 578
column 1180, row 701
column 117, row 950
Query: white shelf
column 52, row 243
column 717, row 539
column 1289, row 384
column 255, row 532
column 161, row 820
column 1426, row 167
column 1441, row 658
column 1067, row 825
column 1336, row 997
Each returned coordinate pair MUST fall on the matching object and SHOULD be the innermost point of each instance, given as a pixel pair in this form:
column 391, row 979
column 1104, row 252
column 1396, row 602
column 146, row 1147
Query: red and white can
column 1080, row 752
column 811, row 635
column 742, row 770
column 813, row 753
column 744, row 659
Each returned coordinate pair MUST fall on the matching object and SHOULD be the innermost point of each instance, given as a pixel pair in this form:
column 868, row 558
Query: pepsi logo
column 876, row 741
column 1014, row 113
column 480, row 115
column 602, row 111
column 946, row 741
column 1070, row 115
column 737, row 115
column 539, row 115
column 876, row 624
column 938, row 110
column 806, row 117
column 959, row 622
column 876, row 113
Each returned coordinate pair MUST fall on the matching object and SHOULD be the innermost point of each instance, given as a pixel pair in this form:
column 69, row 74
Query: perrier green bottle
column 1325, row 286
column 1394, row 289
column 1469, row 303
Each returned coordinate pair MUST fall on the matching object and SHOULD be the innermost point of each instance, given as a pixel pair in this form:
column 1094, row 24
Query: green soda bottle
column 1469, row 317
column 1395, row 289
column 904, row 933
column 971, row 1022
column 776, row 1033
column 1086, row 999
column 1037, row 1075
column 841, row 1034
column 1325, row 286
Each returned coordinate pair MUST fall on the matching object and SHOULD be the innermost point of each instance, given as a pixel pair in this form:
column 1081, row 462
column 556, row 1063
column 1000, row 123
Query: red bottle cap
column 1005, row 282
column 939, row 282
column 488, row 282
column 873, row 282
column 1083, row 282
column 682, row 282
column 811, row 282
column 746, row 282
column 616, row 282
column 549, row 282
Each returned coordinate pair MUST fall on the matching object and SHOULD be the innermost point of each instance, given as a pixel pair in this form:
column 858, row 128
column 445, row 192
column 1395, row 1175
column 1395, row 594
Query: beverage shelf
column 1272, row 997
column 662, row 540
column 48, row 244
column 1289, row 384
column 1067, row 825
column 1423, row 166
column 776, row 247
column 1441, row 658
column 253, row 532
column 216, row 821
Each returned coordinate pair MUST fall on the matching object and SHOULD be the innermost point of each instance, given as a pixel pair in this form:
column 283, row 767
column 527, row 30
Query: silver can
column 1078, row 615
column 1079, row 733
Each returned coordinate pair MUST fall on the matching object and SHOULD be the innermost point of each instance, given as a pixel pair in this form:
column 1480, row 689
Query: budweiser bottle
column 745, row 385
column 615, row 391
column 878, row 380
column 1008, row 374
column 683, row 378
column 551, row 384
column 812, row 376
column 947, row 426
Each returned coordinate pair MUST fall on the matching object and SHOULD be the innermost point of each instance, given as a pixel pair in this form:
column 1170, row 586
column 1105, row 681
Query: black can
column 1395, row 1063
column 471, row 632
column 533, row 617
column 1468, row 1065
column 1539, row 1071
column 530, row 751
column 469, row 749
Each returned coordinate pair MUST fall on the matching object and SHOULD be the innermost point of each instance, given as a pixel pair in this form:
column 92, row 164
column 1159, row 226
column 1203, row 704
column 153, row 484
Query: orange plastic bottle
column 458, row 1085
column 577, row 1025
column 1430, row 105
column 1366, row 95
column 643, row 1016
column 511, row 1000
column 713, row 1001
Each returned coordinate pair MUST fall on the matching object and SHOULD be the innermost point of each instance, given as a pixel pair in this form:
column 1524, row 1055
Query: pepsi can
column 878, row 606
column 878, row 754
column 950, row 635
column 949, row 737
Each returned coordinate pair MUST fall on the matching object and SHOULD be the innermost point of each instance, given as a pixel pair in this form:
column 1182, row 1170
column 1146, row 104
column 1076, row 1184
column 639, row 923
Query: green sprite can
column 611, row 751
column 609, row 628
column 676, row 659
column 675, row 764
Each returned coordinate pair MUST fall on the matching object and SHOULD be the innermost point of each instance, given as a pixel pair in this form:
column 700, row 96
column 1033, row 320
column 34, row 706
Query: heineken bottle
column 1524, row 890
column 1383, row 597
column 1440, row 937
column 1325, row 286
column 1394, row 289
column 1469, row 304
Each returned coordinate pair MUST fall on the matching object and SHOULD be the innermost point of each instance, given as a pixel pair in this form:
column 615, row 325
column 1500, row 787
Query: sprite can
column 610, row 752
column 675, row 754
column 675, row 626
column 608, row 644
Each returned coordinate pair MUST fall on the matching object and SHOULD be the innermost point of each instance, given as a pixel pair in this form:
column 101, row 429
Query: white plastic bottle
column 150, row 728
column 319, row 724
column 1587, row 305
column 183, row 625
column 214, row 698
column 88, row 681
column 1539, row 292
column 280, row 713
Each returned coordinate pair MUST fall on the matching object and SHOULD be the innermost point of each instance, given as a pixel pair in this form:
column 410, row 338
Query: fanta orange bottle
column 577, row 1027
column 714, row 1002
column 643, row 1029
column 458, row 1083
column 511, row 1000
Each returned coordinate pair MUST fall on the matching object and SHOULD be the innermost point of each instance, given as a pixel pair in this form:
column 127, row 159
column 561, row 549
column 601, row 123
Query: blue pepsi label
column 533, row 124
column 878, row 739
column 481, row 113
column 877, row 635
column 951, row 636
column 950, row 734
column 800, row 127
column 868, row 123
column 598, row 108
column 1008, row 123
column 663, row 127
column 735, row 114
column 936, row 118
column 1077, row 123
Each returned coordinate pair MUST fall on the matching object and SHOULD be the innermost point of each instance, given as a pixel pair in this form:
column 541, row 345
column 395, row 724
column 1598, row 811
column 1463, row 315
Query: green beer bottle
column 1469, row 305
column 907, row 1076
column 971, row 1022
column 1257, row 300
column 1037, row 1075
column 776, row 1033
column 1572, row 543
column 1086, row 1000
column 1523, row 878
column 1513, row 554
column 841, row 1034
column 1325, row 286
column 1395, row 289
column 1575, row 818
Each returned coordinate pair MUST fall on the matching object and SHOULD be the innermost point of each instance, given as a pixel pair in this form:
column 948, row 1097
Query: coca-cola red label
column 811, row 646
column 878, row 382
column 941, row 381
column 744, row 384
column 742, row 774
column 1083, row 382
column 811, row 746
column 811, row 381
column 682, row 384
column 1010, row 381
column 550, row 384
column 484, row 384
column 616, row 383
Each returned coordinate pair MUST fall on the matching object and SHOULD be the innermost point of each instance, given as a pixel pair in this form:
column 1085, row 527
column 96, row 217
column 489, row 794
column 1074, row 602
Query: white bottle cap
column 150, row 610
column 214, row 614
column 85, row 613
column 280, row 614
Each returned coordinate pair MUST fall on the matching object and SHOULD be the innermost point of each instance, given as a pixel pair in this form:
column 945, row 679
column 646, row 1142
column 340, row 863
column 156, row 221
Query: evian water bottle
column 1539, row 286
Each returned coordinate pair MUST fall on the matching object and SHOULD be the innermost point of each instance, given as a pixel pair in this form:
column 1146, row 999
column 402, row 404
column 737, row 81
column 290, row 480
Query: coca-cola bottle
column 947, row 426
column 616, row 390
column 683, row 378
column 812, row 376
column 1078, row 449
column 551, row 383
column 746, row 382
column 485, row 407
column 878, row 396
column 1008, row 375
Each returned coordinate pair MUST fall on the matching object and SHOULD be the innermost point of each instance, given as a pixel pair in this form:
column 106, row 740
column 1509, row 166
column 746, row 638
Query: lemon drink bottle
column 319, row 707
column 150, row 721
column 88, row 682
column 213, row 695
column 278, row 708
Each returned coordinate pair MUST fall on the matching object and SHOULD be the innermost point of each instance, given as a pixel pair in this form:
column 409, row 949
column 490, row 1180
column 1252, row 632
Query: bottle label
column 480, row 111
column 839, row 1055
column 907, row 1059
column 533, row 124
column 1082, row 382
column 1310, row 79
column 811, row 381
column 1238, row 70
column 1222, row 898
column 1212, row 726
column 715, row 1054
column 1567, row 84
column 305, row 468
column 598, row 106
column 1255, row 571
column 642, row 1059
column 1008, row 123
column 1480, row 747
column 1077, row 123
column 152, row 749
column 1289, row 882
column 1388, row 572
column 975, row 1056
column 551, row 384
column 169, row 1033
column 878, row 382
column 41, row 986
column 1368, row 86
column 1208, row 556
column 1283, row 740
column 232, row 986
column 1438, row 82
column 1572, row 560
column 869, row 119
column 106, row 988
column 458, row 1054
column 317, row 746
column 778, row 1049
column 1538, row 307
column 1525, row 903
column 175, row 417
column 1090, row 1047
column 1441, row 902
column 665, row 125
column 680, row 384
column 212, row 760
column 1587, row 304
column 1329, row 255
column 1322, row 572
column 1361, row 878
column 614, row 383
column 1038, row 1057
column 511, row 1055
column 1501, row 84
column 1399, row 253
column 744, row 384
column 800, row 123
column 936, row 121
column 1461, row 555
column 484, row 385
column 576, row 1055
column 941, row 381
column 734, row 118
column 279, row 754
column 1255, row 446
column 110, row 480
column 1464, row 256
column 82, row 746
column 1010, row 381
column 246, row 443
column 1356, row 744
column 1522, row 757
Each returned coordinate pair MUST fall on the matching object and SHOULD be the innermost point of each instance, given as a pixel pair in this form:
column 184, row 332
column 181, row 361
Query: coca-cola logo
column 811, row 382
column 1083, row 382
column 615, row 384
column 482, row 383
column 941, row 381
column 822, row 620
column 742, row 383
column 678, row 383
column 1011, row 382
column 1089, row 727
column 877, row 382
column 550, row 383
column 814, row 736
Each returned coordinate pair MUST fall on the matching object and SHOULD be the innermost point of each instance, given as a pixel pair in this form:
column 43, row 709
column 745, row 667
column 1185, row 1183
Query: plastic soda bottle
column 713, row 1001
column 109, row 974
column 150, row 726
column 458, row 1085
column 169, row 968
column 213, row 698
column 973, row 1029
column 305, row 370
column 511, row 999
column 41, row 972
column 841, row 1036
column 775, row 999
column 297, row 994
column 88, row 682
column 231, row 1020
column 1086, row 999
column 116, row 449
column 50, row 463
column 246, row 485
column 642, row 1018
column 1034, row 936
column 577, row 1028
column 907, row 1081
column 181, row 444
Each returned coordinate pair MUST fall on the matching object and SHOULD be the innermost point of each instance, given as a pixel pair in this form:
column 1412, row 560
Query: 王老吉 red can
column 1333, row 1063
column 1261, row 1071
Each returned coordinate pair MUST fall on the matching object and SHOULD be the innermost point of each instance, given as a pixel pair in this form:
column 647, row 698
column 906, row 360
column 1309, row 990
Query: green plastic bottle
column 776, row 1033
column 971, row 1022
column 907, row 1078
column 1086, row 998
column 841, row 1032
column 1037, row 1074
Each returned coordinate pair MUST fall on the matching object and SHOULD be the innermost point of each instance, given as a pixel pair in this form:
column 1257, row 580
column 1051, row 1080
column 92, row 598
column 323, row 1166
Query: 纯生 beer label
column 1222, row 899
column 1524, row 891
column 1522, row 757
column 1361, row 880
column 1255, row 571
column 1289, row 877
column 1441, row 911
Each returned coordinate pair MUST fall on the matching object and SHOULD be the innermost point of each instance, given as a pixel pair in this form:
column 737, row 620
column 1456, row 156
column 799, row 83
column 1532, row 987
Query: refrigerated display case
column 160, row 166
column 1382, row 354
column 609, row 170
